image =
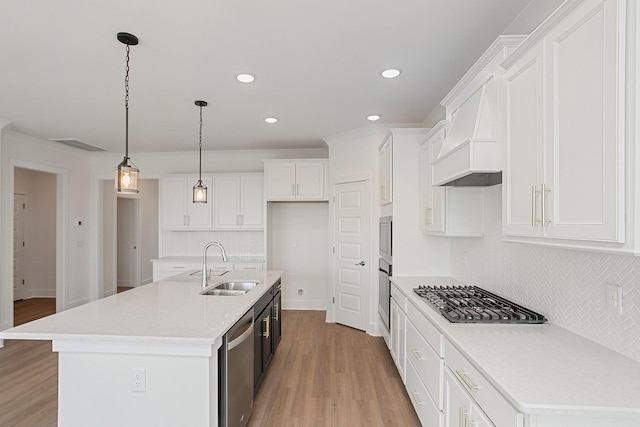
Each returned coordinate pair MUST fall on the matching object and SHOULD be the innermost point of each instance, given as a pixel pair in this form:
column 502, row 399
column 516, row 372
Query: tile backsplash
column 567, row 286
column 190, row 243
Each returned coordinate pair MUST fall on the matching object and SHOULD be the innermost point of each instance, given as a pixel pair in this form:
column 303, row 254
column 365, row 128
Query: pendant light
column 200, row 190
column 127, row 173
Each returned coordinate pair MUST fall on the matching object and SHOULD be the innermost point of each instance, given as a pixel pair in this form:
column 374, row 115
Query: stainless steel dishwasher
column 236, row 373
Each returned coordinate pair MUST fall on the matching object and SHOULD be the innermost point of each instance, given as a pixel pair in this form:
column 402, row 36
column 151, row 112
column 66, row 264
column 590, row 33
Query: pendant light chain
column 200, row 169
column 126, row 106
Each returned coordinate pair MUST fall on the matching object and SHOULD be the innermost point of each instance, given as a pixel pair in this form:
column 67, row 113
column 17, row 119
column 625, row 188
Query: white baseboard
column 146, row 281
column 42, row 293
column 304, row 305
column 111, row 292
column 76, row 303
column 6, row 325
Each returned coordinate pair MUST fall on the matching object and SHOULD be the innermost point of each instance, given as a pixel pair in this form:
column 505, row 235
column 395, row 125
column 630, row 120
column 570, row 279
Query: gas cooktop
column 471, row 304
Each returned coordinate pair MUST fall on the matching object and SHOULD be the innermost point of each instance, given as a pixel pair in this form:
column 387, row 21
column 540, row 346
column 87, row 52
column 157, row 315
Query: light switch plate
column 614, row 298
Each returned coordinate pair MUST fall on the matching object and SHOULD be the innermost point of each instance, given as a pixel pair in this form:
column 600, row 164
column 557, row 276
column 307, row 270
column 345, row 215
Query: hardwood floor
column 29, row 373
column 321, row 375
column 330, row 375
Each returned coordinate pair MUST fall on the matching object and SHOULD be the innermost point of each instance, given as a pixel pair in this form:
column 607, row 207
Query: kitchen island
column 165, row 332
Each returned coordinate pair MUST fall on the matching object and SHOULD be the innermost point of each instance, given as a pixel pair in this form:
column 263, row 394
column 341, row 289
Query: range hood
column 469, row 156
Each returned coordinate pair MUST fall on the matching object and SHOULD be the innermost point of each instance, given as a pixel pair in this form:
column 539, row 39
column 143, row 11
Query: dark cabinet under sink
column 267, row 331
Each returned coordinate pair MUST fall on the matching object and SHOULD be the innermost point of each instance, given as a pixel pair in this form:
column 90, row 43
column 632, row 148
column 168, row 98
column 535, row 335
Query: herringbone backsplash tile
column 567, row 286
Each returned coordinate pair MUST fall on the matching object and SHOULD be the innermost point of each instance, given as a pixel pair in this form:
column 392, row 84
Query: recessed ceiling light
column 245, row 78
column 271, row 120
column 373, row 117
column 391, row 73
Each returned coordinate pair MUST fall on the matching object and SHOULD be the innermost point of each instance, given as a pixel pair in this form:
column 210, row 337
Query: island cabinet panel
column 238, row 202
column 563, row 95
column 267, row 331
column 95, row 388
column 177, row 210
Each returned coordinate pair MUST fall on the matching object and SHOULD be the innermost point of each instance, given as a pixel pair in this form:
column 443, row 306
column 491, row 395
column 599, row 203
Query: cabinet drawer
column 248, row 266
column 425, row 407
column 480, row 389
column 399, row 298
column 426, row 329
column 426, row 362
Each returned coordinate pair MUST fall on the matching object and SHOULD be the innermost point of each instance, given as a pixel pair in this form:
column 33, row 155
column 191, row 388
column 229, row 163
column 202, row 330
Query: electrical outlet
column 614, row 298
column 138, row 380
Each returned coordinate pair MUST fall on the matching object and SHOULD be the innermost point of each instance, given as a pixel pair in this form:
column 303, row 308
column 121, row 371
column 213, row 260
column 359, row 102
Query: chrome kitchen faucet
column 205, row 276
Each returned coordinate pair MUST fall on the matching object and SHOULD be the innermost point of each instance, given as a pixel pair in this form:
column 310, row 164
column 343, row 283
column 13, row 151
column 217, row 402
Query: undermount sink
column 230, row 288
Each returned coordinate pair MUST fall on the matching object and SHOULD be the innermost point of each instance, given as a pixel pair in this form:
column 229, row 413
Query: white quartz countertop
column 539, row 368
column 170, row 311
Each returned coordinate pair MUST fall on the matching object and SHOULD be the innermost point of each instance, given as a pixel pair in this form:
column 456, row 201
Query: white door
column 352, row 278
column 127, row 242
column 19, row 206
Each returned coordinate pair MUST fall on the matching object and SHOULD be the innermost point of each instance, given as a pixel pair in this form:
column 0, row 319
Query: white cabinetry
column 470, row 398
column 385, row 170
column 177, row 210
column 302, row 179
column 238, row 202
column 424, row 367
column 563, row 97
column 398, row 325
column 447, row 211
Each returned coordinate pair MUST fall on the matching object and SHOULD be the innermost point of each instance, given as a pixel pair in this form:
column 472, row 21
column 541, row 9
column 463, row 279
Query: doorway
column 352, row 273
column 34, row 244
column 127, row 259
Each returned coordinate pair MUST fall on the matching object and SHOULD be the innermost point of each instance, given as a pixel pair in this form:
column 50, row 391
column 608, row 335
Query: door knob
column 360, row 263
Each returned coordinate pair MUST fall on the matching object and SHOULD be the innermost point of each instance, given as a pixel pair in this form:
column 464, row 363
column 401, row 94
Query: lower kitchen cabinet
column 460, row 409
column 267, row 331
column 427, row 410
column 397, row 326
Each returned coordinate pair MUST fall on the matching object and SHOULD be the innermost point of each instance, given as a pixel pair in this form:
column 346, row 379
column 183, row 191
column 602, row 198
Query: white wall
column 298, row 246
column 567, row 286
column 71, row 167
column 39, row 231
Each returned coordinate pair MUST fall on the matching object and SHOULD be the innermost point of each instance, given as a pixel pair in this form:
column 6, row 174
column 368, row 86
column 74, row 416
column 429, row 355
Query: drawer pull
column 418, row 354
column 463, row 377
column 463, row 418
column 416, row 397
column 177, row 267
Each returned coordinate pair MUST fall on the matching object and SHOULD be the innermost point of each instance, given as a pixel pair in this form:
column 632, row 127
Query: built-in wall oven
column 385, row 270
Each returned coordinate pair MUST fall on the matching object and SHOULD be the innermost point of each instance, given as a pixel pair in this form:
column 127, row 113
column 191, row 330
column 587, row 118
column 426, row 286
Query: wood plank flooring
column 330, row 375
column 321, row 375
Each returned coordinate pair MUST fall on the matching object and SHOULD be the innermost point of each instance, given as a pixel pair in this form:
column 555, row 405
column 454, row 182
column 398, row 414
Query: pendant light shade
column 200, row 190
column 127, row 172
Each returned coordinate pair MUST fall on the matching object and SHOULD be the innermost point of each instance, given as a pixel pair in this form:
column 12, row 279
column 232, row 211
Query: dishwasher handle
column 243, row 336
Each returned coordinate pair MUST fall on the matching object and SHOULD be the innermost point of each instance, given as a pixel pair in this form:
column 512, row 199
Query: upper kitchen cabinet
column 446, row 211
column 300, row 179
column 177, row 210
column 563, row 127
column 385, row 170
column 238, row 202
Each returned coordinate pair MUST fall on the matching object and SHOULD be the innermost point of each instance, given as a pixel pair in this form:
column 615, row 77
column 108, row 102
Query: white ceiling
column 317, row 65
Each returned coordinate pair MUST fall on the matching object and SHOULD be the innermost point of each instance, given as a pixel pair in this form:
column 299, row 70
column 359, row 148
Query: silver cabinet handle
column 266, row 322
column 463, row 377
column 533, row 205
column 543, row 192
column 275, row 317
column 360, row 263
column 418, row 354
column 416, row 396
column 463, row 418
column 428, row 216
column 297, row 190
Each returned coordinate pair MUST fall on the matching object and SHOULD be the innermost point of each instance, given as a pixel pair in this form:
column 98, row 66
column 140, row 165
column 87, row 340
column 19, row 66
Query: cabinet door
column 310, row 180
column 585, row 136
column 199, row 214
column 385, row 173
column 457, row 404
column 277, row 323
column 226, row 202
column 523, row 134
column 267, row 336
column 280, row 179
column 252, row 202
column 431, row 198
column 172, row 205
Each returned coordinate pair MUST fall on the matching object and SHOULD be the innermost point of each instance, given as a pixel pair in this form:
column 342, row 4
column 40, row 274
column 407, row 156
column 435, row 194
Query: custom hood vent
column 469, row 156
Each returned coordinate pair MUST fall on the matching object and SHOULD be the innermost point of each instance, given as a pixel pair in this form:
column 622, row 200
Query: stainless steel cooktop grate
column 471, row 304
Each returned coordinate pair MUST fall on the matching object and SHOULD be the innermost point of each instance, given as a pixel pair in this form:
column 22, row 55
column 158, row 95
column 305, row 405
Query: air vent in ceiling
column 71, row 142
